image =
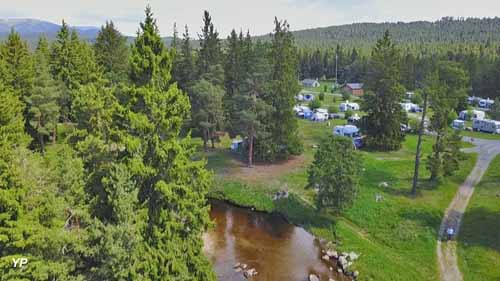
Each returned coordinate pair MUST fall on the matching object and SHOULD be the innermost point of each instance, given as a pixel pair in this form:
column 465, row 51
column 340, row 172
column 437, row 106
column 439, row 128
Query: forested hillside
column 361, row 35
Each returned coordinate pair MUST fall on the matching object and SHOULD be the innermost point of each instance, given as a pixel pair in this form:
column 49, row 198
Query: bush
column 325, row 88
column 321, row 96
column 333, row 109
column 348, row 114
column 315, row 104
column 346, row 95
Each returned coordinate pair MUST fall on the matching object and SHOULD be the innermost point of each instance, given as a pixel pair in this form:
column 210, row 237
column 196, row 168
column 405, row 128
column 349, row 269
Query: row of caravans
column 486, row 125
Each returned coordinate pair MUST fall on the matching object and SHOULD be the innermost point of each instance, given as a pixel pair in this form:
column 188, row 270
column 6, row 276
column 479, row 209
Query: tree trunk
column 437, row 156
column 419, row 148
column 54, row 134
column 212, row 139
column 205, row 139
column 250, row 150
column 42, row 144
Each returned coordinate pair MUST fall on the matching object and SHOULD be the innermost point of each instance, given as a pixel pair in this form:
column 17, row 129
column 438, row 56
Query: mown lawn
column 479, row 238
column 396, row 237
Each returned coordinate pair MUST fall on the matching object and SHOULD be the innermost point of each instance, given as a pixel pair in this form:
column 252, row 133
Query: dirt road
column 446, row 251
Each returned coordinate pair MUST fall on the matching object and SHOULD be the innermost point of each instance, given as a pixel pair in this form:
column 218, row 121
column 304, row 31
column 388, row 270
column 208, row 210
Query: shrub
column 333, row 109
column 321, row 96
column 348, row 114
column 346, row 95
column 315, row 104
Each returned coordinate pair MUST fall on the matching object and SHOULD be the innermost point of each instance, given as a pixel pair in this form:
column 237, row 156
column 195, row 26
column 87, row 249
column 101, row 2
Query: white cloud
column 256, row 15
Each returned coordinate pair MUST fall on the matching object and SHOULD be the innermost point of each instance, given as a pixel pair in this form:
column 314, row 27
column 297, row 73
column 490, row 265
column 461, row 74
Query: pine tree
column 43, row 102
column 210, row 53
column 234, row 75
column 111, row 52
column 150, row 59
column 73, row 63
column 384, row 113
column 171, row 186
column 184, row 68
column 335, row 173
column 450, row 85
column 284, row 139
column 19, row 72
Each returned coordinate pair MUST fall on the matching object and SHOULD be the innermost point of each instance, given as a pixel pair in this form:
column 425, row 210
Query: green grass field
column 396, row 237
column 479, row 240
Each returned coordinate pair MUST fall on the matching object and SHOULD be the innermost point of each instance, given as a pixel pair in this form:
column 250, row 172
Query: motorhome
column 349, row 131
column 486, row 125
column 320, row 114
column 458, row 124
column 476, row 114
column 486, row 103
column 345, row 106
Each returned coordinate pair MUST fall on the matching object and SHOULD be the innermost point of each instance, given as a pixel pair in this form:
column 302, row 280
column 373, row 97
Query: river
column 276, row 249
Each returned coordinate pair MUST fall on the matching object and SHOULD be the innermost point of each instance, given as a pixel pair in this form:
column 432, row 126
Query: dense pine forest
column 99, row 176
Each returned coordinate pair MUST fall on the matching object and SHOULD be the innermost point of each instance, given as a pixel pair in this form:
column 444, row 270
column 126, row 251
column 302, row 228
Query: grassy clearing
column 396, row 237
column 479, row 240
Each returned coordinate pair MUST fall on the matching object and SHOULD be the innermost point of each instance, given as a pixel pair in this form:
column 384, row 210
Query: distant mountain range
column 31, row 29
column 445, row 31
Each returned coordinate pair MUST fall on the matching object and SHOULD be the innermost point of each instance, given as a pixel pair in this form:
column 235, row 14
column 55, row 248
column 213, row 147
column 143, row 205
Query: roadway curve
column 447, row 255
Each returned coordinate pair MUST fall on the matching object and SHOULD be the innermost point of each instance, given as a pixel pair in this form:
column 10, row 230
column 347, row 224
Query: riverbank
column 479, row 239
column 395, row 235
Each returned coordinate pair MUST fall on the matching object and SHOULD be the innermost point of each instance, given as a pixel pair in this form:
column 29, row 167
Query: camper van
column 345, row 106
column 458, row 124
column 349, row 131
column 476, row 114
column 486, row 103
column 486, row 125
column 320, row 114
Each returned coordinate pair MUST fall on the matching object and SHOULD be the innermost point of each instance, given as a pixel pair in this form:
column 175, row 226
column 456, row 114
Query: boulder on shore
column 313, row 277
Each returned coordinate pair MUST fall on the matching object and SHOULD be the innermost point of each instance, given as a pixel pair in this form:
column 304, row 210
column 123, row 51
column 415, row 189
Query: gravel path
column 446, row 251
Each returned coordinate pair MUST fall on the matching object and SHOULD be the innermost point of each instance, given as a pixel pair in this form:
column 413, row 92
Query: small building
column 310, row 83
column 355, row 89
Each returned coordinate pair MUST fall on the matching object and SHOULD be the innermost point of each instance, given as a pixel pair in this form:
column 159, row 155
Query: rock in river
column 313, row 277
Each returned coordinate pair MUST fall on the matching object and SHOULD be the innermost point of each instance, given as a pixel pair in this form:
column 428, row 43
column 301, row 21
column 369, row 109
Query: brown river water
column 278, row 250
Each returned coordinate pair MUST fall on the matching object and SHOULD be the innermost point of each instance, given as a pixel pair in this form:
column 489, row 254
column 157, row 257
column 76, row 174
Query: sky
column 254, row 15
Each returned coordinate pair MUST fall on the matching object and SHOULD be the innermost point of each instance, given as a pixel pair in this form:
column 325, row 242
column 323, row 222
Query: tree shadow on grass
column 422, row 217
column 299, row 212
column 481, row 227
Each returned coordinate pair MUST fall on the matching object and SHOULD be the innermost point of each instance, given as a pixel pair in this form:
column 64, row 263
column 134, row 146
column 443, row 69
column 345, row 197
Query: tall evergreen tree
column 284, row 140
column 43, row 102
column 19, row 72
column 210, row 52
column 184, row 67
column 450, row 85
column 384, row 113
column 111, row 52
column 172, row 187
column 73, row 63
column 234, row 75
column 150, row 59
